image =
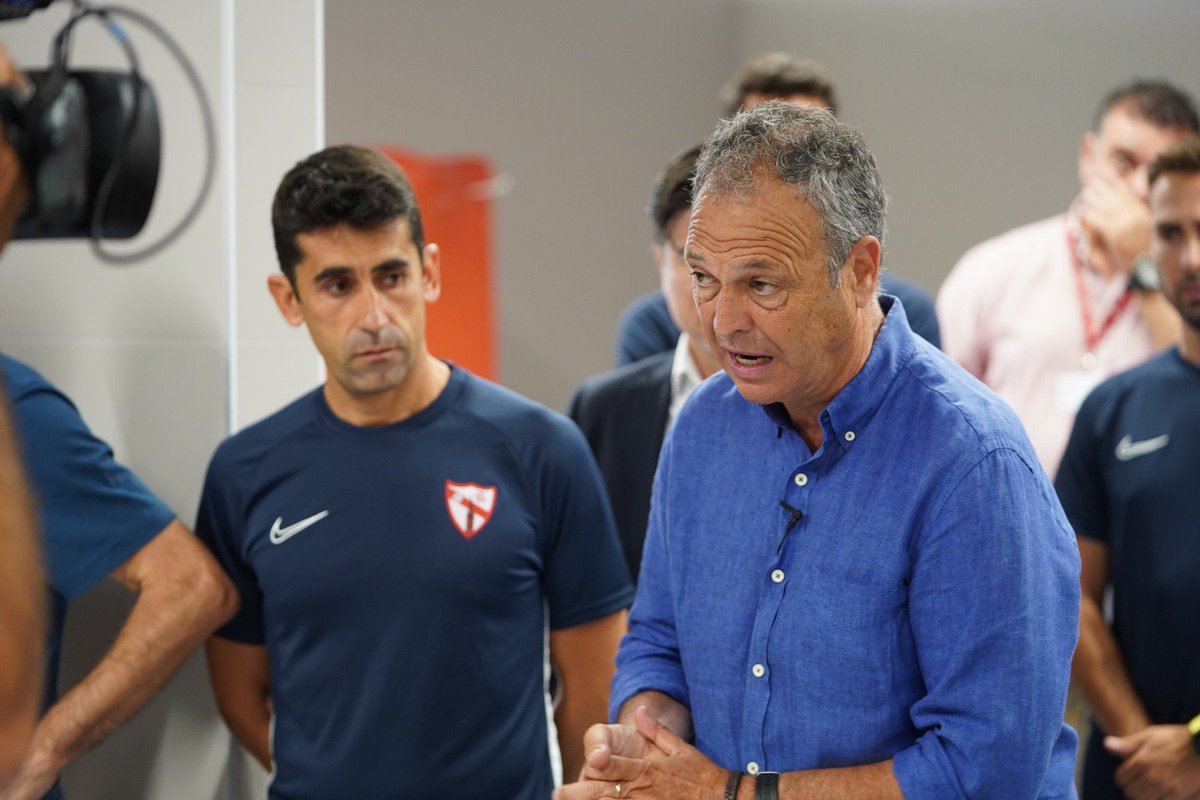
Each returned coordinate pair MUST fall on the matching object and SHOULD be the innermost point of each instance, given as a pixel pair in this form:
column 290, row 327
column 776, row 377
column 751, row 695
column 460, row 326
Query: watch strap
column 766, row 786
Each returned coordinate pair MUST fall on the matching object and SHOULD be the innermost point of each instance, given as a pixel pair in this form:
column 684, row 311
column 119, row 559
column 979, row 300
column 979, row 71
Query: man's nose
column 1139, row 183
column 729, row 315
column 1191, row 253
column 373, row 315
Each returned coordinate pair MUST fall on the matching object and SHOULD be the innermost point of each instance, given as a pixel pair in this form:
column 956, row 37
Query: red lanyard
column 1091, row 334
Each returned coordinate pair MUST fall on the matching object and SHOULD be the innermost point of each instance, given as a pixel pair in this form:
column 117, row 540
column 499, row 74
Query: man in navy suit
column 625, row 413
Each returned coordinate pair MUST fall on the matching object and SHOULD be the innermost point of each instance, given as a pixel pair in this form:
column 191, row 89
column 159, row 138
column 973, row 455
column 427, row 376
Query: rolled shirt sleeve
column 993, row 604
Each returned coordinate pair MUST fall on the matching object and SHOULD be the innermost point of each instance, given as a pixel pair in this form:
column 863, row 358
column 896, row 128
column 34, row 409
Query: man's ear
column 862, row 268
column 431, row 272
column 286, row 298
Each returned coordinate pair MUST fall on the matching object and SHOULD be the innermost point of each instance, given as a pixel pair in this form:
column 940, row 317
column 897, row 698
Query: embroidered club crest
column 470, row 506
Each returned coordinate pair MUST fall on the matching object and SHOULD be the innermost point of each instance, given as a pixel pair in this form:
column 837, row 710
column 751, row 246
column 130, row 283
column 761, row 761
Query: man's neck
column 1189, row 348
column 807, row 419
column 422, row 385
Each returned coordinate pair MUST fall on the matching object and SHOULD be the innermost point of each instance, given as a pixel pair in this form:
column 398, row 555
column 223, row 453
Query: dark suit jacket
column 623, row 415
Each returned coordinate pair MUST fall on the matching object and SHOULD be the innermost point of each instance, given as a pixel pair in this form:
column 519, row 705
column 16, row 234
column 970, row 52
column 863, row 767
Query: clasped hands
column 644, row 761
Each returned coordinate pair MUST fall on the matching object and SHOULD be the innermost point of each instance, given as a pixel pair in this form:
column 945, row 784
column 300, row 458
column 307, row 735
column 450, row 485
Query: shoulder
column 525, row 425
column 22, row 381
column 249, row 445
column 946, row 398
column 1146, row 379
column 617, row 384
column 1017, row 244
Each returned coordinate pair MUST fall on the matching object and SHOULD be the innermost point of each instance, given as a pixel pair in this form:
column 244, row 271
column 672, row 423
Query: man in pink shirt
column 1043, row 313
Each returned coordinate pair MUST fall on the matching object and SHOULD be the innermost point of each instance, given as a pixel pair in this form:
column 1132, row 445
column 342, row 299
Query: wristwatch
column 766, row 786
column 1143, row 277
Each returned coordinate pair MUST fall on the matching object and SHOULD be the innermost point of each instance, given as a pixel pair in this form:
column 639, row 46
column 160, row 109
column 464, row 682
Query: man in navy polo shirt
column 856, row 573
column 1128, row 484
column 401, row 536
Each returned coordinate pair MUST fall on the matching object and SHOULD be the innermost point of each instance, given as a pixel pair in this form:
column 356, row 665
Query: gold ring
column 617, row 789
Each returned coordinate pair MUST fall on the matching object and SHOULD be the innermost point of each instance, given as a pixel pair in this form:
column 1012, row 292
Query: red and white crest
column 470, row 506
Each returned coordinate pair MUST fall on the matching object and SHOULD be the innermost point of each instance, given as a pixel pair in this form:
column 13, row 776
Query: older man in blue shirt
column 856, row 573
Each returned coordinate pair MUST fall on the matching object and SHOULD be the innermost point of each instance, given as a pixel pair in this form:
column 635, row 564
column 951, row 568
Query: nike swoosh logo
column 280, row 534
column 1127, row 448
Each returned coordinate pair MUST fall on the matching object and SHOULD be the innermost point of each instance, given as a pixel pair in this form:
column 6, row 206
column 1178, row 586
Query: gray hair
column 826, row 161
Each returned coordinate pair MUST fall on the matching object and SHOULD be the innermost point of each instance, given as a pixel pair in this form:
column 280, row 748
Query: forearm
column 251, row 726
column 22, row 624
column 1100, row 674
column 663, row 708
column 866, row 782
column 168, row 621
column 573, row 717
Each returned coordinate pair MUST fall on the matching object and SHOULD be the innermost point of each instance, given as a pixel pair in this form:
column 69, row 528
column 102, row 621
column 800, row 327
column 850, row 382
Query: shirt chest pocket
column 843, row 646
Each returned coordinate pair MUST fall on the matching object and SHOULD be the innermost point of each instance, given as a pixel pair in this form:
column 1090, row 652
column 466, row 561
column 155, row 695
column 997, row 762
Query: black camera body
column 89, row 142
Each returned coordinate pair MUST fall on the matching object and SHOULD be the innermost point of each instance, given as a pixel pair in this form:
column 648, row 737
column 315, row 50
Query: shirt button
column 849, row 436
column 777, row 576
column 801, row 479
column 759, row 670
column 752, row 768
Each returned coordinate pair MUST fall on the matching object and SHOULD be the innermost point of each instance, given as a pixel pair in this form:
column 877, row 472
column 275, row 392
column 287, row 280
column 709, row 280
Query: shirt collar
column 853, row 407
column 685, row 376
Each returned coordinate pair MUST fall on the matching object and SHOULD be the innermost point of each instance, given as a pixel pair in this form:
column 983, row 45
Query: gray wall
column 973, row 107
column 578, row 103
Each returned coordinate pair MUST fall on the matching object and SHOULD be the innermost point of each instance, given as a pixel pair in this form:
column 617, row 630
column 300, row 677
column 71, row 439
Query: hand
column 1117, row 223
column 1157, row 762
column 658, row 767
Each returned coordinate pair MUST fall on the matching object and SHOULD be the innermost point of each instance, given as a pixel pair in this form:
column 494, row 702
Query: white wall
column 164, row 358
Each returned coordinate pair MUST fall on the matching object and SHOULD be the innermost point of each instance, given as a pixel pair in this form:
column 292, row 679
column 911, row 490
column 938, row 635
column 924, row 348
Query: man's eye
column 1123, row 162
column 337, row 287
column 701, row 279
column 1169, row 234
column 393, row 278
column 761, row 287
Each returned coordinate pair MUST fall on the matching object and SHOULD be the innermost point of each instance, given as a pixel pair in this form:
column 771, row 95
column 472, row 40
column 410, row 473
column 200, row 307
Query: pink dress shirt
column 1010, row 314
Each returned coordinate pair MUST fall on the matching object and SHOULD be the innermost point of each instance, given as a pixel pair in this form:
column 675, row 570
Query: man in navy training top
column 1127, row 483
column 401, row 536
column 625, row 413
column 896, row 585
column 97, row 520
column 646, row 326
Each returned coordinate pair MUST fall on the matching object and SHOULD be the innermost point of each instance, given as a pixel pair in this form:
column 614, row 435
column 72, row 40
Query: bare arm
column 182, row 595
column 584, row 658
column 241, row 680
column 1098, row 668
column 22, row 621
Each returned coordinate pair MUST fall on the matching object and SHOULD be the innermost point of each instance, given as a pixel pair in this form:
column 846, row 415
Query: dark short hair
column 340, row 185
column 672, row 190
column 779, row 75
column 1157, row 102
column 1182, row 157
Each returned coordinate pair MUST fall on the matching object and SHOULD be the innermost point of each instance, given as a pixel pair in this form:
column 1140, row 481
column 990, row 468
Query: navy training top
column 399, row 577
column 1127, row 480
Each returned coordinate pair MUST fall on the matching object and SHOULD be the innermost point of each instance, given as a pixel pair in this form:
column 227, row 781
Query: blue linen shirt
column 924, row 607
